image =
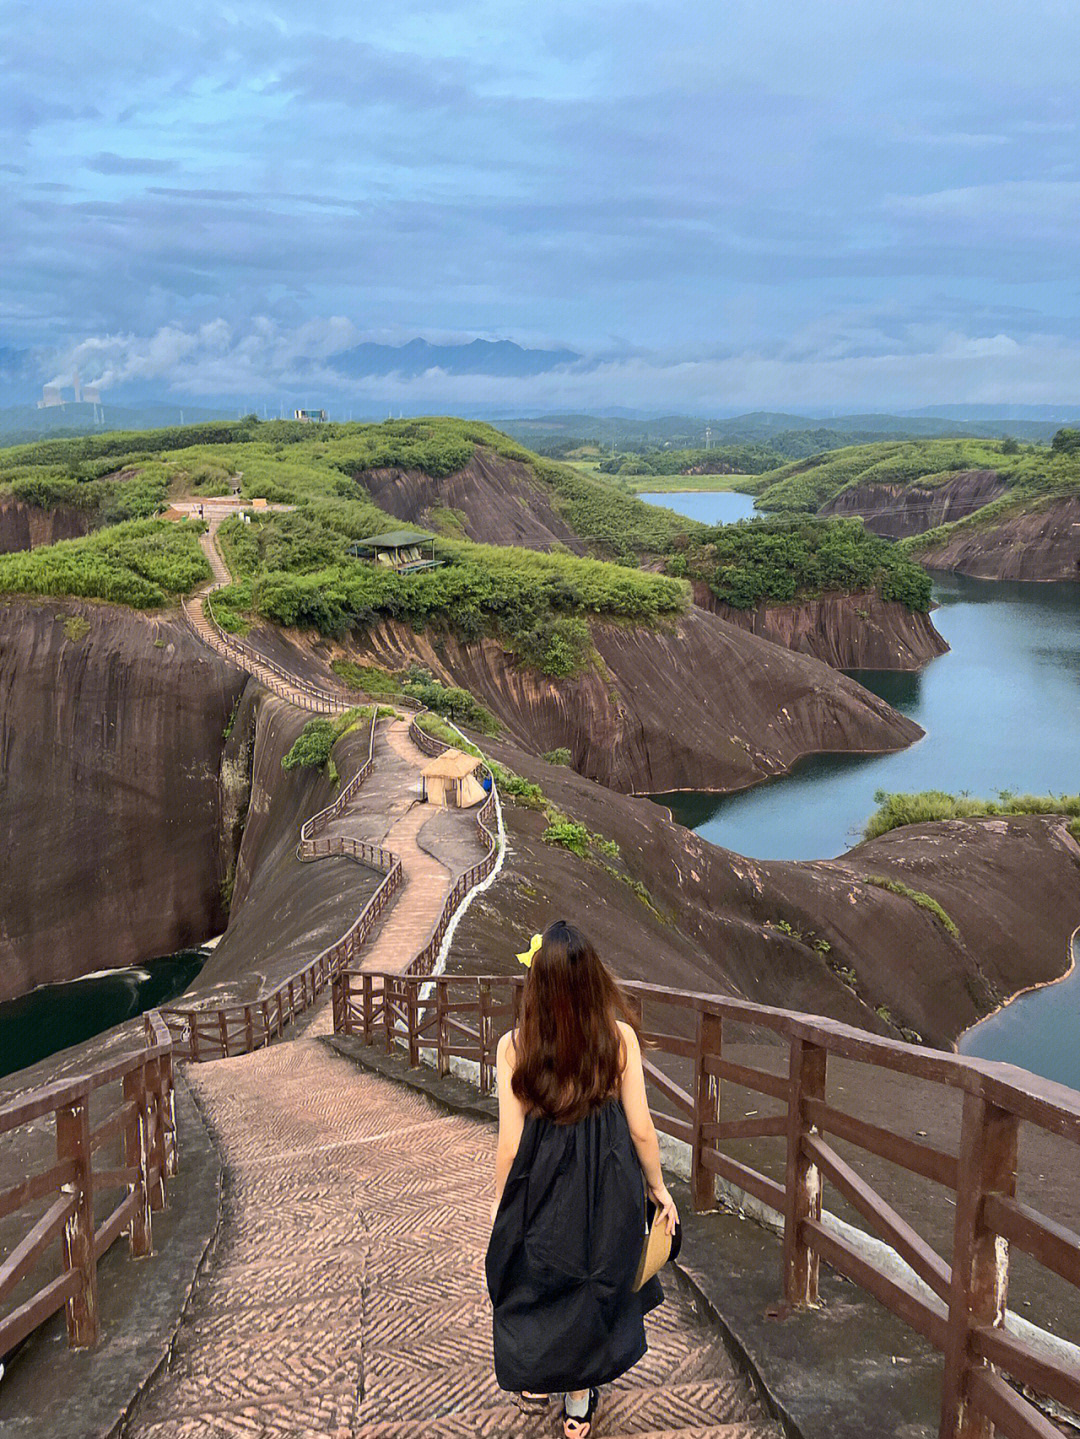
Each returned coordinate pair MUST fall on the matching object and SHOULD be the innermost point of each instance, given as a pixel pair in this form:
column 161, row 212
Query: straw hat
column 659, row 1247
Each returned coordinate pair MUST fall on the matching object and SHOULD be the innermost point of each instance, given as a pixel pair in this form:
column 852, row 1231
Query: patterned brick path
column 344, row 1298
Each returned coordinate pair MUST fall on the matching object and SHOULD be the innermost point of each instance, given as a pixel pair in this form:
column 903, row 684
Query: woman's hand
column 659, row 1195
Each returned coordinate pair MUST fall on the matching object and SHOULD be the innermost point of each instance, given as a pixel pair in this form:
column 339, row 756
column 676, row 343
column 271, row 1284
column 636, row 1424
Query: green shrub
column 369, row 678
column 76, row 628
column 456, row 704
column 785, row 558
column 559, row 756
column 917, row 896
column 928, row 806
column 312, row 747
column 141, row 563
column 567, row 833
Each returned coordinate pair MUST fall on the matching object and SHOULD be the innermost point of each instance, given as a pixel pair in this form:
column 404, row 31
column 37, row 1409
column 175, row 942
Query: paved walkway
column 345, row 1299
column 277, row 682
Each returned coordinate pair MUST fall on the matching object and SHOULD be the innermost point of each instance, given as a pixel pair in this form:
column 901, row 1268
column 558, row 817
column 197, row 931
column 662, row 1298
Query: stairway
column 276, row 679
column 344, row 1298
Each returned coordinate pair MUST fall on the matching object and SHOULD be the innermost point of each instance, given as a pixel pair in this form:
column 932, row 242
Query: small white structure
column 450, row 780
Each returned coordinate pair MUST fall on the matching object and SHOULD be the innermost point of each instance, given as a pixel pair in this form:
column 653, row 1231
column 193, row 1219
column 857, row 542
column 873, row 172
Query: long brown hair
column 568, row 1052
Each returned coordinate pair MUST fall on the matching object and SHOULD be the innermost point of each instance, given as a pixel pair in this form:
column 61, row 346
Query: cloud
column 217, row 362
column 107, row 163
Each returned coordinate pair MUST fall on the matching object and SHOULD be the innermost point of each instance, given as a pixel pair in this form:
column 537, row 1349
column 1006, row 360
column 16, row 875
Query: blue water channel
column 1001, row 711
column 53, row 1016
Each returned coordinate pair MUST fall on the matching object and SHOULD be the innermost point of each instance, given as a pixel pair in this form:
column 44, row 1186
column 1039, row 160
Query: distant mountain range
column 478, row 357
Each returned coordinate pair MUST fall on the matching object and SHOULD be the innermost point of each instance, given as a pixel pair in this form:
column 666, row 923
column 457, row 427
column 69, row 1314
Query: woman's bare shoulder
column 505, row 1047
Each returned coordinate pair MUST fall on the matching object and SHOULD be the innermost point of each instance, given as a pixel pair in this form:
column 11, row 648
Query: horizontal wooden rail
column 137, row 1142
column 449, row 1018
column 216, row 1033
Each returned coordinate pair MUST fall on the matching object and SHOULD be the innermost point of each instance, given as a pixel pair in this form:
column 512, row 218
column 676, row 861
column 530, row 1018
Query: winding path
column 344, row 1295
column 344, row 1298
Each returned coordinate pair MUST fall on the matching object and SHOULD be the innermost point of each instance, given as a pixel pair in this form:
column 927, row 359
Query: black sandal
column 584, row 1423
column 530, row 1403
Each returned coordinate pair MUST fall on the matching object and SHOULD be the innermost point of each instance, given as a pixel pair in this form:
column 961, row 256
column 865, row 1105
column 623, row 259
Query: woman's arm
column 511, row 1119
column 642, row 1130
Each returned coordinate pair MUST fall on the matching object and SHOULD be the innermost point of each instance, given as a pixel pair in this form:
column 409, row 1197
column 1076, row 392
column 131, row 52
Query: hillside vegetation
column 896, row 810
column 1029, row 470
column 786, row 558
column 293, row 568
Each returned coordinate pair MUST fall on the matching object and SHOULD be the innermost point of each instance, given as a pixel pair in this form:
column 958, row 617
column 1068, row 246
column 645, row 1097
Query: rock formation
column 812, row 936
column 847, row 631
column 699, row 704
column 497, row 502
column 896, row 510
column 26, row 527
column 114, row 791
column 1039, row 542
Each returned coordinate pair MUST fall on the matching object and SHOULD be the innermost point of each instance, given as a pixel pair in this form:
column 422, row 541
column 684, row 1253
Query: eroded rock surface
column 497, row 502
column 847, row 631
column 897, row 511
column 1040, row 543
column 114, row 818
column 26, row 527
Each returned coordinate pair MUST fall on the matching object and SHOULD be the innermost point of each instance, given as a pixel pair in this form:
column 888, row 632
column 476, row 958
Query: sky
column 734, row 204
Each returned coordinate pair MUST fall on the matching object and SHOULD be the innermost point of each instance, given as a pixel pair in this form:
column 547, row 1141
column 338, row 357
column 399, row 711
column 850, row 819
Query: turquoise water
column 716, row 508
column 1001, row 711
column 51, row 1017
column 1037, row 1031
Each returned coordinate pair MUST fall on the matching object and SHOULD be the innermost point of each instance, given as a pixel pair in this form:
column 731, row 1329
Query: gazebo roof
column 393, row 540
column 452, row 764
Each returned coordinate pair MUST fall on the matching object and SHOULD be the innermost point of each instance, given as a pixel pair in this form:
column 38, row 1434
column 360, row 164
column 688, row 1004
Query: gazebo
column 450, row 780
column 400, row 550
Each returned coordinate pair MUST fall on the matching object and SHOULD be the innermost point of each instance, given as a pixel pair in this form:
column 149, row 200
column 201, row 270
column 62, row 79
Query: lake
column 53, row 1016
column 1001, row 711
column 722, row 507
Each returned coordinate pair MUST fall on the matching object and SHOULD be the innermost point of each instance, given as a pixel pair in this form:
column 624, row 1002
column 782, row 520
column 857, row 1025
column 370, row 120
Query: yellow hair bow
column 526, row 956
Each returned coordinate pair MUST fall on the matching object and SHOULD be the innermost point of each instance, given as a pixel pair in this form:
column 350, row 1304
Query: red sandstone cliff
column 115, row 820
column 26, row 527
column 500, row 502
column 847, row 631
column 1042, row 542
column 697, row 705
column 1012, row 886
column 897, row 511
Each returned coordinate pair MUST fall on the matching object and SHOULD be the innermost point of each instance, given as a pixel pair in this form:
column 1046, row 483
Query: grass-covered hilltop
column 292, row 566
column 996, row 509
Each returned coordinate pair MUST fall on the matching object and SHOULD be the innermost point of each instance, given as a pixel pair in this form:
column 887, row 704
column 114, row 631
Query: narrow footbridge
column 344, row 1294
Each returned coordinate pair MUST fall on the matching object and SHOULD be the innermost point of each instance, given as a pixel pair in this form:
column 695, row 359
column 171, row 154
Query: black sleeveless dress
column 563, row 1255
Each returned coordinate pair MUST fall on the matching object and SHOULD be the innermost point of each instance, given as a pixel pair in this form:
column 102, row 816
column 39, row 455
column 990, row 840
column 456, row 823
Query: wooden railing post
column 194, row 1034
column 387, row 1018
column 369, row 1009
column 442, row 1059
column 483, row 1027
column 169, row 1111
column 156, row 1131
column 77, row 1247
column 412, row 1018
column 223, row 1033
column 706, row 1110
column 137, row 1155
column 249, row 1029
column 980, row 1261
column 802, row 1181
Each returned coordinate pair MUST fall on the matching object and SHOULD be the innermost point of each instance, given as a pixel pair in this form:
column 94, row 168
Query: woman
column 577, row 1149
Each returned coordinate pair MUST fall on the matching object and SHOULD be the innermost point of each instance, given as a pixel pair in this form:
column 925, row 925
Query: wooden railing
column 300, row 692
column 208, row 1032
column 424, row 961
column 130, row 1147
column 959, row 1306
